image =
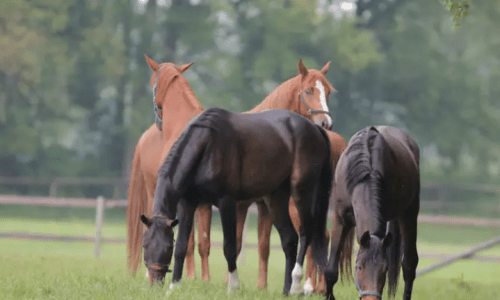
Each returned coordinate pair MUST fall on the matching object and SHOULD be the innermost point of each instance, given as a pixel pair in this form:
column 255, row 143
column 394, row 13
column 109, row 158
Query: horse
column 306, row 94
column 377, row 189
column 174, row 105
column 224, row 157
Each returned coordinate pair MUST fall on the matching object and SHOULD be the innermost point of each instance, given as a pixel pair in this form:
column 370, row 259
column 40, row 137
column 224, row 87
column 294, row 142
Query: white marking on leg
column 174, row 285
column 234, row 281
column 322, row 98
column 147, row 274
column 297, row 274
column 308, row 288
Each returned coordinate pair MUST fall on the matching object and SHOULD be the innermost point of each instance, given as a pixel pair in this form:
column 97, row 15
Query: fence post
column 53, row 188
column 442, row 198
column 99, row 216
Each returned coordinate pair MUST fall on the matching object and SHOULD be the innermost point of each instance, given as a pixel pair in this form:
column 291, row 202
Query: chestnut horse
column 377, row 188
column 175, row 105
column 222, row 158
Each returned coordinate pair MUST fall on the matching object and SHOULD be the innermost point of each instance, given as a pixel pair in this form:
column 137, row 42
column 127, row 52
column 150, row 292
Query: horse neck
column 281, row 98
column 367, row 211
column 179, row 111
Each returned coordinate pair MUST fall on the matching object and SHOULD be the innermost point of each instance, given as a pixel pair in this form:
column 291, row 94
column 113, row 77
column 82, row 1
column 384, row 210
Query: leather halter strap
column 158, row 120
column 308, row 109
column 367, row 292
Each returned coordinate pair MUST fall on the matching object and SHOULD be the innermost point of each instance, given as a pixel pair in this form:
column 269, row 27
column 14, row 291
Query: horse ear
column 302, row 68
column 325, row 68
column 152, row 64
column 387, row 240
column 172, row 223
column 183, row 68
column 365, row 240
column 146, row 221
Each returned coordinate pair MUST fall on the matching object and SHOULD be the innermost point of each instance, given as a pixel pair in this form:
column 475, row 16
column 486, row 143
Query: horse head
column 171, row 90
column 372, row 264
column 314, row 91
column 158, row 244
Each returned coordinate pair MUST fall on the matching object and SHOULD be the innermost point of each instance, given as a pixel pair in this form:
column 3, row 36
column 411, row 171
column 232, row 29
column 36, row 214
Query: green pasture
column 62, row 270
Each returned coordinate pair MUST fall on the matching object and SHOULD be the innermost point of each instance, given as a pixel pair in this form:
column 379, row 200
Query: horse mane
column 278, row 97
column 209, row 118
column 365, row 163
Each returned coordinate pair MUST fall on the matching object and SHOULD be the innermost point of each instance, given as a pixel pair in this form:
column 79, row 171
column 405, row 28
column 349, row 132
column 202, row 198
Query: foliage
column 74, row 94
column 459, row 10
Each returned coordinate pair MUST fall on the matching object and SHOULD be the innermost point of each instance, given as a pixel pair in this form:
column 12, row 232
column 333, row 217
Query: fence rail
column 101, row 204
column 439, row 202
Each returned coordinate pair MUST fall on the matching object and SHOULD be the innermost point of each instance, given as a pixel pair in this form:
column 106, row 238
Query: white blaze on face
column 322, row 99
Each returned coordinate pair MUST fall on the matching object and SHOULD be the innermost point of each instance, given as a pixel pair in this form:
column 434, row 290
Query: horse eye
column 308, row 91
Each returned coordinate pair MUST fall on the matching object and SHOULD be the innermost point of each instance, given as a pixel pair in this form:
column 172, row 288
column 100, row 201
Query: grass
column 62, row 270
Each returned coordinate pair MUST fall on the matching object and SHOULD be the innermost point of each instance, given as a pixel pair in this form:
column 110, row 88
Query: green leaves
column 459, row 9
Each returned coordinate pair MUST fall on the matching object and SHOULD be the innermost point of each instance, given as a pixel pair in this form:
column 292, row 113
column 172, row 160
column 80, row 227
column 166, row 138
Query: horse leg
column 190, row 264
column 204, row 220
column 408, row 227
column 303, row 195
column 339, row 235
column 241, row 215
column 264, row 235
column 321, row 285
column 311, row 270
column 185, row 212
column 310, row 283
column 227, row 209
column 278, row 205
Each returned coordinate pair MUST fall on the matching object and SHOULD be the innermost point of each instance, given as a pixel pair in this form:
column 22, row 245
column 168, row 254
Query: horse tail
column 137, row 196
column 394, row 257
column 320, row 208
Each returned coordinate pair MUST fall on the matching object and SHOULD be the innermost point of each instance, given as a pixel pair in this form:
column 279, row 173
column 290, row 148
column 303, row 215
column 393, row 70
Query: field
column 62, row 270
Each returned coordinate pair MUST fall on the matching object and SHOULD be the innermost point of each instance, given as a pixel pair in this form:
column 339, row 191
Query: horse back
column 254, row 153
column 402, row 171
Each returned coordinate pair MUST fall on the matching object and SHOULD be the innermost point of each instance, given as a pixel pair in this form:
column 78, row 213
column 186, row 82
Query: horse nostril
column 325, row 124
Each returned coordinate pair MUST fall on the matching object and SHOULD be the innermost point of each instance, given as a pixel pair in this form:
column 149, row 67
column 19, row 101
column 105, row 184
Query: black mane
column 365, row 163
column 209, row 118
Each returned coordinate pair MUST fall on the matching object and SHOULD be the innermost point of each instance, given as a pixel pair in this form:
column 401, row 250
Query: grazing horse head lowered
column 159, row 236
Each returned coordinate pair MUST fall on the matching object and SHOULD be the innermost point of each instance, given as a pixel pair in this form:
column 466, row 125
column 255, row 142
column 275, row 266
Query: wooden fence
column 55, row 183
column 101, row 204
column 437, row 198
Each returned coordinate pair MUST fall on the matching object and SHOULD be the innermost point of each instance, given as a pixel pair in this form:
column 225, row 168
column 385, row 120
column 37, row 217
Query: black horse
column 377, row 183
column 225, row 157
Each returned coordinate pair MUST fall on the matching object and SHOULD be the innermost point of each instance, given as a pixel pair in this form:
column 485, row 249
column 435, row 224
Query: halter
column 158, row 267
column 158, row 120
column 367, row 292
column 308, row 109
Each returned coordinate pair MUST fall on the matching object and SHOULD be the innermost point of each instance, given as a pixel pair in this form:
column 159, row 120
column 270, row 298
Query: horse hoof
column 233, row 283
column 308, row 288
column 296, row 290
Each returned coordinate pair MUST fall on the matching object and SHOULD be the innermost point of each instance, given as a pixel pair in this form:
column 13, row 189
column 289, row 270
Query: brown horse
column 176, row 103
column 377, row 188
column 223, row 158
column 175, row 106
column 306, row 94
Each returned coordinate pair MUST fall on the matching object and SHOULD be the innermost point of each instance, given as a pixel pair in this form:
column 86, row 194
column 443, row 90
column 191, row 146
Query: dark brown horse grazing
column 222, row 158
column 175, row 105
column 307, row 94
column 377, row 184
